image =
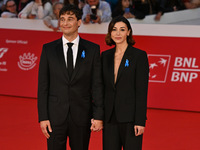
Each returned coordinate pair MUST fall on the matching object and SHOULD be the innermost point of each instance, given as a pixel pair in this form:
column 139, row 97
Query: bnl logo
column 185, row 69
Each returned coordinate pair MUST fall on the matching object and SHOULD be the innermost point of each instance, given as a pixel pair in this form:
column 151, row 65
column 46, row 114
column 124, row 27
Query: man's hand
column 97, row 125
column 87, row 19
column 54, row 28
column 158, row 16
column 128, row 15
column 31, row 16
column 98, row 20
column 139, row 130
column 44, row 125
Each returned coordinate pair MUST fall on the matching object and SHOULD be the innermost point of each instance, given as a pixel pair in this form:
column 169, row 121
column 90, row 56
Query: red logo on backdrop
column 27, row 61
column 158, row 65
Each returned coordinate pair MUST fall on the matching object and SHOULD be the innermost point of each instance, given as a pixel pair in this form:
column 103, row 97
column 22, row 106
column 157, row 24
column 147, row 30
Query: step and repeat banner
column 174, row 64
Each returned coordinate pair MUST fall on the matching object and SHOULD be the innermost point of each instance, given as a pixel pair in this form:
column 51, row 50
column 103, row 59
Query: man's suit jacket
column 58, row 94
column 128, row 96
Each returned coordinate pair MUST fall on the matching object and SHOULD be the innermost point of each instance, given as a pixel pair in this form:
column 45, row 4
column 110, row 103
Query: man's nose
column 65, row 22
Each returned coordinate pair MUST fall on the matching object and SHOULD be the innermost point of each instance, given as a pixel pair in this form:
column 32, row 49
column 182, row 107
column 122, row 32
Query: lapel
column 111, row 66
column 79, row 60
column 61, row 58
column 126, row 56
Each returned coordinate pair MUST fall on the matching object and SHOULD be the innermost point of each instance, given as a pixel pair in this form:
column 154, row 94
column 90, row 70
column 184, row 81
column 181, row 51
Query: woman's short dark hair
column 68, row 9
column 108, row 38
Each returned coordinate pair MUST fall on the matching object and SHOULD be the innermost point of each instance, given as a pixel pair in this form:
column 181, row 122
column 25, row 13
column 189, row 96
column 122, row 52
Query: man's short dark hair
column 71, row 9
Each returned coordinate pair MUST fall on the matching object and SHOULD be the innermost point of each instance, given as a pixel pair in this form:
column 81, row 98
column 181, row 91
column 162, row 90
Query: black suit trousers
column 117, row 135
column 78, row 136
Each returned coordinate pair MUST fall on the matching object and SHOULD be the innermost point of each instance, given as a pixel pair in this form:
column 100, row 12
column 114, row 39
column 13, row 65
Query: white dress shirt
column 74, row 49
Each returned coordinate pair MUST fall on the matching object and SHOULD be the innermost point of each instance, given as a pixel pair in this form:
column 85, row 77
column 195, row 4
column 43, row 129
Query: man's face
column 69, row 24
column 93, row 2
column 11, row 6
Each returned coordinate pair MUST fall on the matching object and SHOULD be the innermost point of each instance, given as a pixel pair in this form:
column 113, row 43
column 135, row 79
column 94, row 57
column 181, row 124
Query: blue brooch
column 83, row 54
column 127, row 63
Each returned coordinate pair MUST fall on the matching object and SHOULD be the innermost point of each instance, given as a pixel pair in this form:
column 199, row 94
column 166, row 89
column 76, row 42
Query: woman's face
column 38, row 1
column 125, row 3
column 57, row 9
column 11, row 6
column 71, row 2
column 119, row 33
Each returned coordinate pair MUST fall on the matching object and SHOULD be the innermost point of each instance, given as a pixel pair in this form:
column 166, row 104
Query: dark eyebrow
column 71, row 17
column 120, row 27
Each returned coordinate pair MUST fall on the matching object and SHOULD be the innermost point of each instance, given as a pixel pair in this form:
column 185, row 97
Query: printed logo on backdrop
column 27, row 61
column 3, row 51
column 3, row 63
column 185, row 69
column 158, row 65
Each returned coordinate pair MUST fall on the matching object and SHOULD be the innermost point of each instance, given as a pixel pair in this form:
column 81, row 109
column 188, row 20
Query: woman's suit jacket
column 129, row 94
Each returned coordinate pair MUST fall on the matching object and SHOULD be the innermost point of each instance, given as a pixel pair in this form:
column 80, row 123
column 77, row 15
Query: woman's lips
column 117, row 38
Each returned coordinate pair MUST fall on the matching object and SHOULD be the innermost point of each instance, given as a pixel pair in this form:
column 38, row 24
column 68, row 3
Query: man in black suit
column 70, row 86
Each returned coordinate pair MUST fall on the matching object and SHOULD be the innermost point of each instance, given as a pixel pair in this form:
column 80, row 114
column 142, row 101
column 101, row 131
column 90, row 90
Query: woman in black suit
column 125, row 74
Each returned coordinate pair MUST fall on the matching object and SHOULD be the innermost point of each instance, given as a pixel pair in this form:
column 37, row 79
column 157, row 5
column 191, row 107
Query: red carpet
column 166, row 130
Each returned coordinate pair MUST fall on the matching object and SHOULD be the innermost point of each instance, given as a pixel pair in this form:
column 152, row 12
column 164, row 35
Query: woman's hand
column 139, row 130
